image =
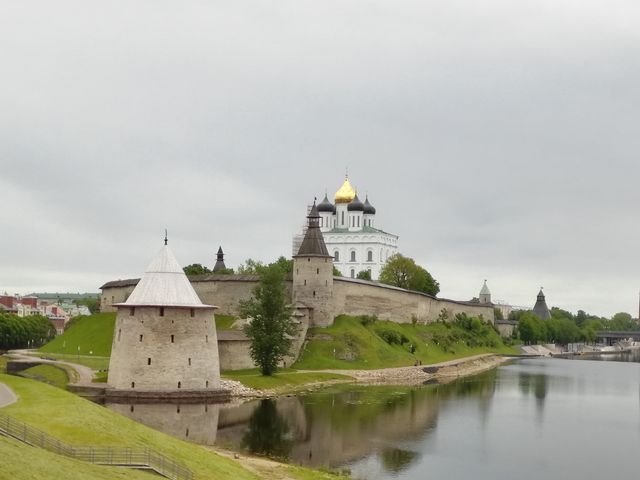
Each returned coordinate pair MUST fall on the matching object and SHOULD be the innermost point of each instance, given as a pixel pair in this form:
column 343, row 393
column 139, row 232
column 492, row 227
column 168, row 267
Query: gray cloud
column 499, row 140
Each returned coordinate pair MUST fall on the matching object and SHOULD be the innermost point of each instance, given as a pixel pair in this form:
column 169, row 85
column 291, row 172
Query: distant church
column 350, row 234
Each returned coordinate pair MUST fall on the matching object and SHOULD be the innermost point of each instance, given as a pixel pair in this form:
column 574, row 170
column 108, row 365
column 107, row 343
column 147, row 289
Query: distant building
column 350, row 234
column 540, row 308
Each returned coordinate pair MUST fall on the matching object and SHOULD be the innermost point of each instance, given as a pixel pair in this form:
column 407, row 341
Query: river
column 530, row 419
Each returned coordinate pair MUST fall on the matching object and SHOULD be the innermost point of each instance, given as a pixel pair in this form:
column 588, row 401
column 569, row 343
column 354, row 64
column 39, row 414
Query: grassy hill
column 366, row 343
column 80, row 422
column 93, row 333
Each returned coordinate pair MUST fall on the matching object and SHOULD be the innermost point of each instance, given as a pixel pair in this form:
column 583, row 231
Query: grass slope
column 284, row 378
column 351, row 343
column 48, row 374
column 21, row 461
column 91, row 333
column 80, row 422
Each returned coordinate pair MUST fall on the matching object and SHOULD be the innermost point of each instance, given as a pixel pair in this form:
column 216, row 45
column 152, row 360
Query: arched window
column 336, row 256
column 370, row 256
column 353, row 273
column 353, row 255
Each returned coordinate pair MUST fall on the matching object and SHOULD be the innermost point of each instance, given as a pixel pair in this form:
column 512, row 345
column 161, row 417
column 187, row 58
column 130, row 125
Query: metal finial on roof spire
column 166, row 240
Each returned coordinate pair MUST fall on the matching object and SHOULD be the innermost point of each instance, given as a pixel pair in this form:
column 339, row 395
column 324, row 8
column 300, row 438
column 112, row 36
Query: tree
column 364, row 275
column 271, row 329
column 196, row 269
column 622, row 321
column 531, row 328
column 92, row 303
column 251, row 267
column 257, row 267
column 403, row 272
column 336, row 272
column 497, row 313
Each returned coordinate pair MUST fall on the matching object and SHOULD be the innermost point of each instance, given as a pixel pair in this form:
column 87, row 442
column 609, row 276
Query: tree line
column 564, row 327
column 24, row 332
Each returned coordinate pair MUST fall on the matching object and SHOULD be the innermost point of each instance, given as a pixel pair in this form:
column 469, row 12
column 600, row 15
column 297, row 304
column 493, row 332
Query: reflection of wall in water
column 195, row 423
column 335, row 429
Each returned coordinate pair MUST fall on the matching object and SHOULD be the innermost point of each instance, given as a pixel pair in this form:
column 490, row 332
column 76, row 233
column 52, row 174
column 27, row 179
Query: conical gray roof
column 219, row 261
column 540, row 308
column 164, row 284
column 485, row 289
column 313, row 243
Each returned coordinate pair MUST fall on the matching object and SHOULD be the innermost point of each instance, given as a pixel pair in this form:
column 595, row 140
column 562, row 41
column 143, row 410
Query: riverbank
column 80, row 422
column 442, row 372
column 242, row 384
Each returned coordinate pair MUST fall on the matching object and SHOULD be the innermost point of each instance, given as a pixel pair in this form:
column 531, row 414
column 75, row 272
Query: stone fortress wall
column 350, row 297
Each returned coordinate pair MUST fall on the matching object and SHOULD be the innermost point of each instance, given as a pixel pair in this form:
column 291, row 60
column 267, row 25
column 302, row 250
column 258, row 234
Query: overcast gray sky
column 498, row 139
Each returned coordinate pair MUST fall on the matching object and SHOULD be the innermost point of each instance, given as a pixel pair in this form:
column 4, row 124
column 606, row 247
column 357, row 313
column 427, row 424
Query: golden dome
column 345, row 193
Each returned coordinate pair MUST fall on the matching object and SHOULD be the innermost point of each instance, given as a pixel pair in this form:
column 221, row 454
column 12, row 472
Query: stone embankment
column 415, row 375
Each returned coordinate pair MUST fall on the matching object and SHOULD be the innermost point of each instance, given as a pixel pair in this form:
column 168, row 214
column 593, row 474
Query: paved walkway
column 7, row 397
column 85, row 374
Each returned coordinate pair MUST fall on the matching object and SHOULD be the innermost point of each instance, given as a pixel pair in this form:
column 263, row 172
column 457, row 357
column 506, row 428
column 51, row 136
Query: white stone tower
column 485, row 294
column 313, row 274
column 165, row 340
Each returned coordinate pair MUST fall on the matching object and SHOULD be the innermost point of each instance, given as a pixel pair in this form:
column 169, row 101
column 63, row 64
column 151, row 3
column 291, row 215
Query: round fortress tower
column 165, row 341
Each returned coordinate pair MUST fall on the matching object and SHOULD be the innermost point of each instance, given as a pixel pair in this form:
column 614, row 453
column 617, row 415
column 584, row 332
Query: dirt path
column 84, row 374
column 7, row 397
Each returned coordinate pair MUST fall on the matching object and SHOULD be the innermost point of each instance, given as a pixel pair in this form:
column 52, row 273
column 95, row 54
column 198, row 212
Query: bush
column 392, row 337
column 366, row 320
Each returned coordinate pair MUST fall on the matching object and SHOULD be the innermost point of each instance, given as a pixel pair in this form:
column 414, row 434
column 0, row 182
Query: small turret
column 485, row 294
column 540, row 308
column 219, row 266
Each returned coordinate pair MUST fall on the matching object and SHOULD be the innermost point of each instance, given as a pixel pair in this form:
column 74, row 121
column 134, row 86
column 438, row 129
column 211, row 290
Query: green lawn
column 77, row 421
column 224, row 322
column 48, row 374
column 283, row 378
column 351, row 343
column 21, row 461
column 93, row 333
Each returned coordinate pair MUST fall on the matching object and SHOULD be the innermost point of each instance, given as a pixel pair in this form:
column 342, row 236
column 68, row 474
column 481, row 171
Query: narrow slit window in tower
column 148, row 361
column 132, row 311
column 179, row 386
column 189, row 362
column 173, row 339
column 207, row 386
column 193, row 312
column 162, row 311
column 133, row 384
column 119, row 333
column 141, row 337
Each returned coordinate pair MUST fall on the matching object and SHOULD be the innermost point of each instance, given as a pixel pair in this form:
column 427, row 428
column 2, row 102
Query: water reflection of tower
column 196, row 423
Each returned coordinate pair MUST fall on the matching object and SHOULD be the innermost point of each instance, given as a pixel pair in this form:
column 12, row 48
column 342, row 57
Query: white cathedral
column 349, row 231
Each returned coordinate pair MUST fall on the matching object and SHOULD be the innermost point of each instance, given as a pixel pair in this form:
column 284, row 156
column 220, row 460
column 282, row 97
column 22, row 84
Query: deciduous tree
column 403, row 272
column 271, row 329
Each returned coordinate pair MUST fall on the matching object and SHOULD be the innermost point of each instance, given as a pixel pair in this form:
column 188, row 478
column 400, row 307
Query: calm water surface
column 533, row 419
